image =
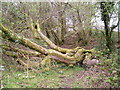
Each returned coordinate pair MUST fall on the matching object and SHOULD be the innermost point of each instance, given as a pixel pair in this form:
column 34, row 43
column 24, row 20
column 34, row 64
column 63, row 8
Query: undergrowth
column 110, row 67
column 29, row 79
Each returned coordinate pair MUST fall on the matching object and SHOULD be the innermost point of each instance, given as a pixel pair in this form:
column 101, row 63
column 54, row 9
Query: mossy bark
column 51, row 44
column 70, row 56
column 31, row 53
column 16, row 38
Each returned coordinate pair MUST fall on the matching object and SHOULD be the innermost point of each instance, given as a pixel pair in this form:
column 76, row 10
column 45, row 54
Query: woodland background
column 31, row 31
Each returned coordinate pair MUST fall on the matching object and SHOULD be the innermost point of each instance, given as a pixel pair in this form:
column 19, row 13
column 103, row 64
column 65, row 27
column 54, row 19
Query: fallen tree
column 64, row 55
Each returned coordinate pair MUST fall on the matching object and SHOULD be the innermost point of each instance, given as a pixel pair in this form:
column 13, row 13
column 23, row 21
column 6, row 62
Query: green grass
column 49, row 79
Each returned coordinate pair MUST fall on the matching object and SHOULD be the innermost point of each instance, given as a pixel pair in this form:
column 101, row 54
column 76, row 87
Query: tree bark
column 62, row 20
column 69, row 56
column 15, row 38
column 106, row 8
column 52, row 45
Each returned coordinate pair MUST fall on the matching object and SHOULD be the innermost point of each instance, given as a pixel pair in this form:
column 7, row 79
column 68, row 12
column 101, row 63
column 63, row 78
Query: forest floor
column 61, row 77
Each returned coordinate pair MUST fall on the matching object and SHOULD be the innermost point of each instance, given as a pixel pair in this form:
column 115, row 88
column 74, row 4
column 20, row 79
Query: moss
column 71, row 56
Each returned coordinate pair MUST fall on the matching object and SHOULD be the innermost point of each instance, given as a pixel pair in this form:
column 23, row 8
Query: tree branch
column 15, row 38
column 31, row 53
column 71, row 55
column 51, row 44
column 113, row 27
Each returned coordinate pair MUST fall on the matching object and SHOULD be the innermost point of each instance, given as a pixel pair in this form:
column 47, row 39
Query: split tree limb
column 71, row 56
column 14, row 37
column 31, row 53
column 52, row 45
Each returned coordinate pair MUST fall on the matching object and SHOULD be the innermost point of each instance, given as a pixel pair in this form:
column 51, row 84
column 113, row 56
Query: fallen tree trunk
column 16, row 38
column 69, row 56
column 52, row 45
column 31, row 53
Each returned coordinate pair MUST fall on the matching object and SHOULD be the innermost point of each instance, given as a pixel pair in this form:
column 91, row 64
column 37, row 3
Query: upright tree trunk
column 108, row 37
column 119, row 34
column 62, row 20
column 119, row 22
column 106, row 8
